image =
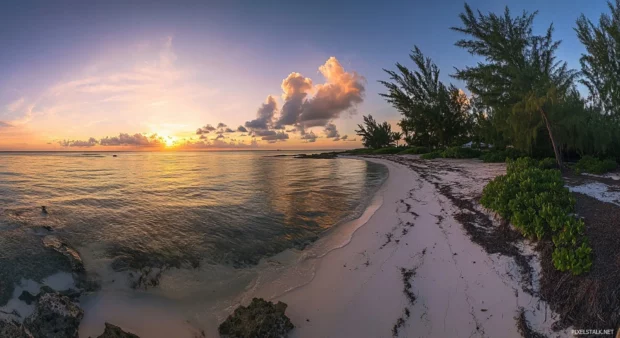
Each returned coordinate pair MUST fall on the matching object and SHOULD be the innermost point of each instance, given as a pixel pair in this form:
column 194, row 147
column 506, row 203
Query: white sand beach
column 456, row 288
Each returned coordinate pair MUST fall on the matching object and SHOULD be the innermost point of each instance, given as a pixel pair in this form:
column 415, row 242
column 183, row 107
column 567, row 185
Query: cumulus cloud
column 242, row 129
column 264, row 115
column 345, row 137
column 79, row 143
column 331, row 131
column 341, row 92
column 309, row 137
column 221, row 125
column 263, row 132
column 217, row 144
column 228, row 130
column 295, row 87
column 281, row 136
column 124, row 139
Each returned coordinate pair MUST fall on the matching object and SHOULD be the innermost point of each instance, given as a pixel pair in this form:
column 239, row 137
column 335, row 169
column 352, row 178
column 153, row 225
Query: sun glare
column 169, row 141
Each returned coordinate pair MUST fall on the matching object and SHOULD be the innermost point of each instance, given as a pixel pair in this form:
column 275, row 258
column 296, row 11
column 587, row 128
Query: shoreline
column 412, row 270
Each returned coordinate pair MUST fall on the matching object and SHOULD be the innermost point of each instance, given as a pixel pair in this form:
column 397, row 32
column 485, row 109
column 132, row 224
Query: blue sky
column 223, row 57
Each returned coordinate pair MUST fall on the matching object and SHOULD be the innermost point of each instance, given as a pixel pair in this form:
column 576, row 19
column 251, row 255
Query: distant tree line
column 522, row 95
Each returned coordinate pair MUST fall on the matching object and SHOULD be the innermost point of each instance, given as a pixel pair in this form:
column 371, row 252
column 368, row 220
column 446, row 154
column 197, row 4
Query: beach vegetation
column 415, row 150
column 376, row 135
column 593, row 165
column 496, row 155
column 533, row 198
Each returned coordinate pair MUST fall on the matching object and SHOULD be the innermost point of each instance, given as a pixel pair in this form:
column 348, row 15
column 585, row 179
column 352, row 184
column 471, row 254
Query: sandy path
column 458, row 290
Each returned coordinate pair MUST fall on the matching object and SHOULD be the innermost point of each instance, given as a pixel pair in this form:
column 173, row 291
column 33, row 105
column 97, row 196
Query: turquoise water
column 170, row 210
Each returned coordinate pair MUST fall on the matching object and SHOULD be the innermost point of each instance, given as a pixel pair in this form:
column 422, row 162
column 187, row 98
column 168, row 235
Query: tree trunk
column 556, row 150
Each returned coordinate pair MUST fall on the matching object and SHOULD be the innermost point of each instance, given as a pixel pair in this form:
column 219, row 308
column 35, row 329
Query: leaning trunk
column 556, row 150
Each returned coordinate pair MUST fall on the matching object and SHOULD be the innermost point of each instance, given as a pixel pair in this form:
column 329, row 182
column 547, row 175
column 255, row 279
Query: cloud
column 281, row 136
column 219, row 136
column 263, row 133
column 345, row 137
column 309, row 137
column 124, row 139
column 205, row 130
column 295, row 88
column 221, row 125
column 77, row 143
column 264, row 115
column 341, row 92
column 331, row 131
column 228, row 130
column 4, row 124
column 217, row 144
column 242, row 129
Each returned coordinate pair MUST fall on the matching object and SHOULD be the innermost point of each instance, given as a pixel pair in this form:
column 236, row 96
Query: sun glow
column 169, row 141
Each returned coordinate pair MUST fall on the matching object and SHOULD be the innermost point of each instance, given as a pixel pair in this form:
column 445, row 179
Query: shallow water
column 208, row 219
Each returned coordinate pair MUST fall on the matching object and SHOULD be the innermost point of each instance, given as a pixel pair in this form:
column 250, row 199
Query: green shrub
column 534, row 199
column 594, row 165
column 432, row 155
column 389, row 150
column 415, row 151
column 360, row 151
column 460, row 152
column 498, row 156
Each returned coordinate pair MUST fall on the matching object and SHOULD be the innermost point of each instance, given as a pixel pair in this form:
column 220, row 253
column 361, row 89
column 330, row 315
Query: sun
column 169, row 141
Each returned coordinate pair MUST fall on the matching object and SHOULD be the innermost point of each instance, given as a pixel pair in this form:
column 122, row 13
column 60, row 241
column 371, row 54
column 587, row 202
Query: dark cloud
column 205, row 130
column 309, row 137
column 263, row 132
column 345, row 137
column 221, row 125
column 242, row 129
column 264, row 115
column 79, row 143
column 203, row 137
column 281, row 136
column 294, row 130
column 219, row 136
column 331, row 131
column 124, row 139
column 243, row 135
column 228, row 130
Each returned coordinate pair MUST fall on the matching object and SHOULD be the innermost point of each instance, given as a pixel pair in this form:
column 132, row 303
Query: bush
column 459, row 152
column 359, row 151
column 432, row 155
column 384, row 151
column 534, row 199
column 497, row 156
column 415, row 151
column 593, row 165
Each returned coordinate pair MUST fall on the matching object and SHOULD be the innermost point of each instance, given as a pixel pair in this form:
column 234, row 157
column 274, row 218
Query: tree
column 519, row 79
column 433, row 114
column 397, row 136
column 375, row 135
column 601, row 63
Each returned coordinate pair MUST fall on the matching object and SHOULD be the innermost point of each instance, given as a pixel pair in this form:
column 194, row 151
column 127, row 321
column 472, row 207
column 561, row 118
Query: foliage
column 519, row 80
column 433, row 114
column 375, row 135
column 500, row 155
column 432, row 155
column 593, row 165
column 415, row 150
column 536, row 202
column 385, row 151
column 600, row 64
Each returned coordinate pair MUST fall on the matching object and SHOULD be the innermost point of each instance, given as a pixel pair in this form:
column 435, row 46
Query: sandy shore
column 412, row 270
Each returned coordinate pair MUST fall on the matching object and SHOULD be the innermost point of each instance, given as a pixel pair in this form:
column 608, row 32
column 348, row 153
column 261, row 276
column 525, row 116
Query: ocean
column 214, row 223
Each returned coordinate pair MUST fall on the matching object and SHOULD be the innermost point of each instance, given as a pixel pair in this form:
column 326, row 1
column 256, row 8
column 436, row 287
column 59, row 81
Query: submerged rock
column 54, row 316
column 11, row 329
column 74, row 257
column 113, row 331
column 260, row 319
column 27, row 297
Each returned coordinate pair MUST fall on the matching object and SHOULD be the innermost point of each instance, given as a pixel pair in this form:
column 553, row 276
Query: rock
column 74, row 257
column 11, row 329
column 113, row 331
column 260, row 319
column 27, row 297
column 54, row 316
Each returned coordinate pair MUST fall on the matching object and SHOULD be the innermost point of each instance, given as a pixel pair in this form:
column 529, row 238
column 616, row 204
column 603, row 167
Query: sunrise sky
column 221, row 74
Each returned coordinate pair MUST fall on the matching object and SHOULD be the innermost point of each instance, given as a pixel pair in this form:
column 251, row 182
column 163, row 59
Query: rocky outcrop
column 11, row 329
column 113, row 331
column 74, row 257
column 54, row 316
column 260, row 319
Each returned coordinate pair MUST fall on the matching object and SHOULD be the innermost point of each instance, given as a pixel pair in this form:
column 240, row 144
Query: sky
column 203, row 75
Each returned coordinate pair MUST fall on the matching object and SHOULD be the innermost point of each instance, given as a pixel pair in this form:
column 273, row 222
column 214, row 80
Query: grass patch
column 533, row 198
column 593, row 165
